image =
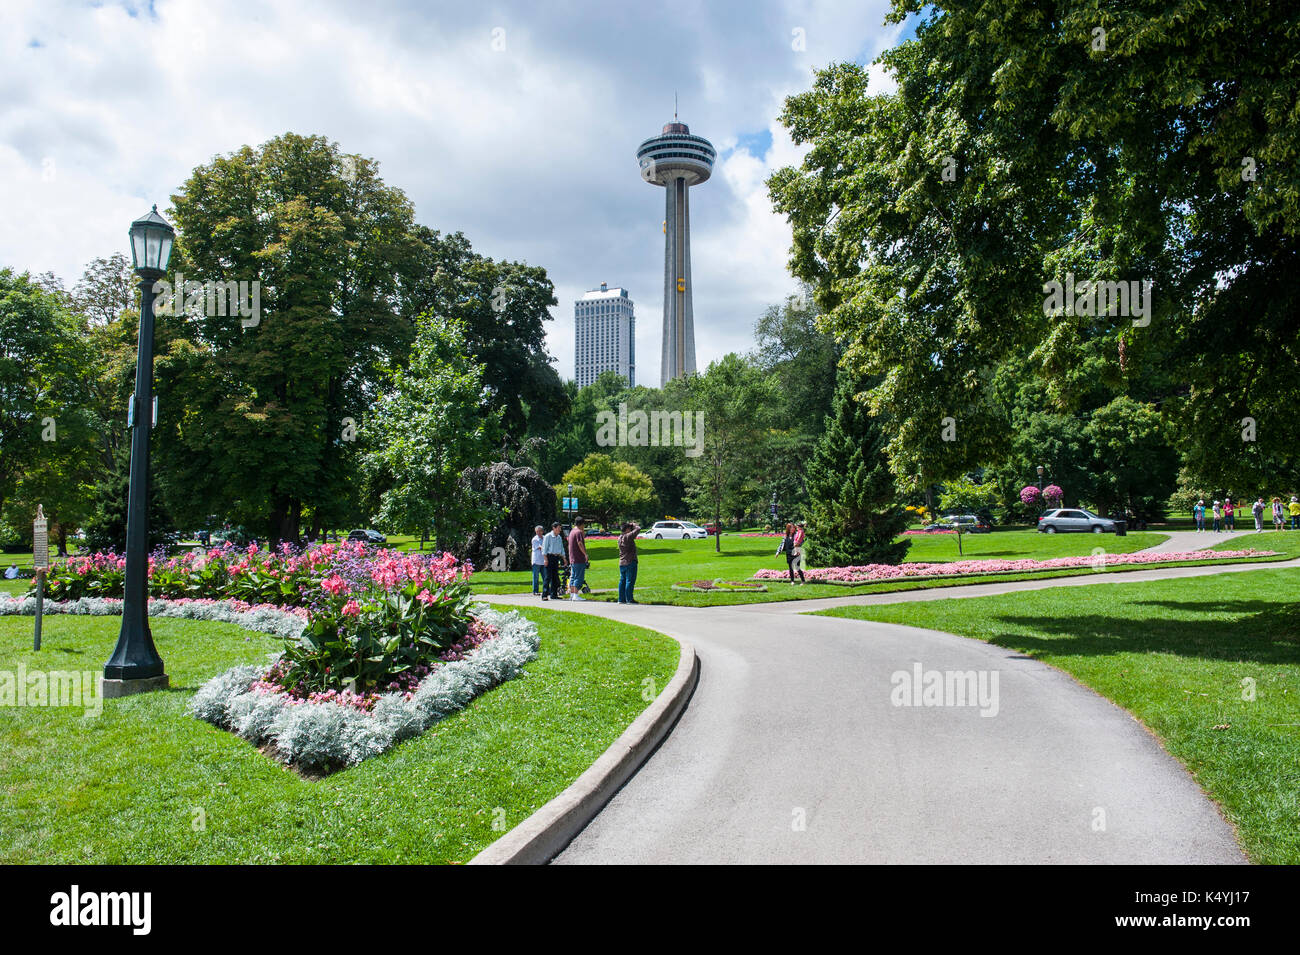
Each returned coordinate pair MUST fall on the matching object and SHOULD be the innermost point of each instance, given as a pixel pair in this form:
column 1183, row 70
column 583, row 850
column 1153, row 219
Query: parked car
column 713, row 527
column 674, row 530
column 1063, row 520
column 368, row 535
column 970, row 524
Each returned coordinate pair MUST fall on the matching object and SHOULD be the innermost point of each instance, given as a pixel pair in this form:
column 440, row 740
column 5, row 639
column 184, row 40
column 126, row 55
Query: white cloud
column 529, row 149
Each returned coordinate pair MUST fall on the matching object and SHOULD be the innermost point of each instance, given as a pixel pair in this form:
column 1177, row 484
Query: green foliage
column 609, row 490
column 928, row 221
column 252, row 416
column 105, row 526
column 853, row 515
column 432, row 424
column 967, row 495
column 736, row 399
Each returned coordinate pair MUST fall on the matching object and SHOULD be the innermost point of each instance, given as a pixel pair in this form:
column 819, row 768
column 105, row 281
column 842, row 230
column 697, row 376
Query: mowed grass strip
column 145, row 782
column 664, row 563
column 1184, row 657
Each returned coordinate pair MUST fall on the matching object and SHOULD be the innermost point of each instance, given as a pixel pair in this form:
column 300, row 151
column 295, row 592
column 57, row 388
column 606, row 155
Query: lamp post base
column 112, row 689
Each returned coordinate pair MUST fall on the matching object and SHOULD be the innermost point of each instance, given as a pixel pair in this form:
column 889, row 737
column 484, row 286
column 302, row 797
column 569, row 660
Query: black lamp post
column 135, row 666
column 1040, row 477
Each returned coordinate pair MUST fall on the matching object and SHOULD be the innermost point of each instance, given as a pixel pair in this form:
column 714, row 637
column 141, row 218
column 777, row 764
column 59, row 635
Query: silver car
column 1063, row 520
column 674, row 530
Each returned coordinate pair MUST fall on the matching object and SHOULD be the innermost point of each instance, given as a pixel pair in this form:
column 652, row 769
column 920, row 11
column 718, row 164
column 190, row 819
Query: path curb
column 544, row 835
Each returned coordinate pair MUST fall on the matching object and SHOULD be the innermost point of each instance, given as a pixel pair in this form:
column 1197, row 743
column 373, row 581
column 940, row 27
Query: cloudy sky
column 516, row 123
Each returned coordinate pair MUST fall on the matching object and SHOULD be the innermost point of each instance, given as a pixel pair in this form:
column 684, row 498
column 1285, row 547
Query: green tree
column 257, row 413
column 854, row 517
column 736, row 399
column 504, row 308
column 44, row 435
column 429, row 427
column 1122, row 143
column 607, row 489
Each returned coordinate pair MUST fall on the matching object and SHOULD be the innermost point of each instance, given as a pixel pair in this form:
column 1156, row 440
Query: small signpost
column 41, row 563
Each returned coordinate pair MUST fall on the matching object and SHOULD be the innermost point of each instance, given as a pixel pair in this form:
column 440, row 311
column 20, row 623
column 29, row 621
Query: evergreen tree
column 854, row 517
column 106, row 526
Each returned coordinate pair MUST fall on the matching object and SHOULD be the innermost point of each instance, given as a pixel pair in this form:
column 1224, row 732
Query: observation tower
column 677, row 160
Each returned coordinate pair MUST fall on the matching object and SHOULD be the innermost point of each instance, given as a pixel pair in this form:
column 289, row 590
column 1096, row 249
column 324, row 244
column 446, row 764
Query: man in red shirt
column 577, row 558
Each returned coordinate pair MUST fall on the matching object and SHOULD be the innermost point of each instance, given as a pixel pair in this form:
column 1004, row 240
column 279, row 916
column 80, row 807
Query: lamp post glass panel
column 135, row 661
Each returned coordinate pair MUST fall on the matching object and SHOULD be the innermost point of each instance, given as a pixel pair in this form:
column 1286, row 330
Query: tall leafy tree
column 257, row 413
column 854, row 516
column 432, row 424
column 736, row 399
column 1122, row 143
column 44, row 432
column 503, row 307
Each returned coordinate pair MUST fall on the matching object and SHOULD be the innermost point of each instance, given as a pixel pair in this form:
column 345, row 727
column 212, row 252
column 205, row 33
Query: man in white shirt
column 539, row 561
column 553, row 551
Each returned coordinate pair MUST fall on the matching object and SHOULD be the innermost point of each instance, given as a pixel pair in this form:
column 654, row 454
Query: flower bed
column 870, row 573
column 719, row 585
column 319, row 732
column 364, row 630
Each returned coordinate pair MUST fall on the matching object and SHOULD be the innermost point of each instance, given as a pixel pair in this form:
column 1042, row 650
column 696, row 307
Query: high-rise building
column 677, row 160
column 604, row 335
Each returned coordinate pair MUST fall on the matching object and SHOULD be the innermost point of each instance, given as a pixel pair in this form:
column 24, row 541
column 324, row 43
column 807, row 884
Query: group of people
column 551, row 551
column 1223, row 514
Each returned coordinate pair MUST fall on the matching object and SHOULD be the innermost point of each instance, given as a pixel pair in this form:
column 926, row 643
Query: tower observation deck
column 677, row 160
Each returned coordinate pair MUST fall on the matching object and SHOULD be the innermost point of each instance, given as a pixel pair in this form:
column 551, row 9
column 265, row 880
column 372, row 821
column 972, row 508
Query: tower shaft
column 679, row 319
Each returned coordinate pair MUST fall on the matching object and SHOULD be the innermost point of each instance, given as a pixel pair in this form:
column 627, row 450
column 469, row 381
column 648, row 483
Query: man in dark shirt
column 627, row 562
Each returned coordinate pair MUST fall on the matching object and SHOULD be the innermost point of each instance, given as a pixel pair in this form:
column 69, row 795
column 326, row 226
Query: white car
column 673, row 530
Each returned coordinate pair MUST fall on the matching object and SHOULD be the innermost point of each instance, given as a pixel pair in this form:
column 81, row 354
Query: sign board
column 574, row 502
column 41, row 543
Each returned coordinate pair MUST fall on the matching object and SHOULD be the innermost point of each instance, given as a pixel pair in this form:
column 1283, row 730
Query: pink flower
column 334, row 584
column 351, row 608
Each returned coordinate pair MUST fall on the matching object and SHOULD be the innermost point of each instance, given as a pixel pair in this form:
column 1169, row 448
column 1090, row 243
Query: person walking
column 553, row 551
column 786, row 547
column 800, row 535
column 577, row 558
column 1198, row 512
column 1279, row 522
column 539, row 561
column 1294, row 508
column 1257, row 511
column 1229, row 515
column 627, row 562
column 1216, row 511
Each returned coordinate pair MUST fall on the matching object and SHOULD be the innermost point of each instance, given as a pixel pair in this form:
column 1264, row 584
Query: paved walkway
column 792, row 751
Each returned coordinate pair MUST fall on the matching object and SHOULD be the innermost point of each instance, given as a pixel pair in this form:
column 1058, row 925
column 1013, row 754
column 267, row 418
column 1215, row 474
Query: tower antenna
column 674, row 106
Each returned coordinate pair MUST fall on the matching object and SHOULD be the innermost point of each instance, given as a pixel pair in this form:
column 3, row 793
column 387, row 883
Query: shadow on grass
column 1263, row 632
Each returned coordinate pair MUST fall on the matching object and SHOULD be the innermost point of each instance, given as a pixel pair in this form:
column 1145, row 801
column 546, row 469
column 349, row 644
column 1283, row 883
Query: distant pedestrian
column 1198, row 512
column 1229, row 515
column 539, row 561
column 577, row 558
column 1257, row 510
column 1279, row 522
column 553, row 551
column 627, row 562
column 1216, row 511
column 800, row 547
column 787, row 548
column 12, row 572
column 1294, row 508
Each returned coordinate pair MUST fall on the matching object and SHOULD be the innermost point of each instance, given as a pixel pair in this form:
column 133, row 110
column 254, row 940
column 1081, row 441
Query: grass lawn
column 664, row 563
column 126, row 786
column 1173, row 653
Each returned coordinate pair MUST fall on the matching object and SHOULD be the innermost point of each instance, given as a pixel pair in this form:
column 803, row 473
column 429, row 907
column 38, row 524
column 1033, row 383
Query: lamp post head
column 1040, row 470
column 151, row 244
